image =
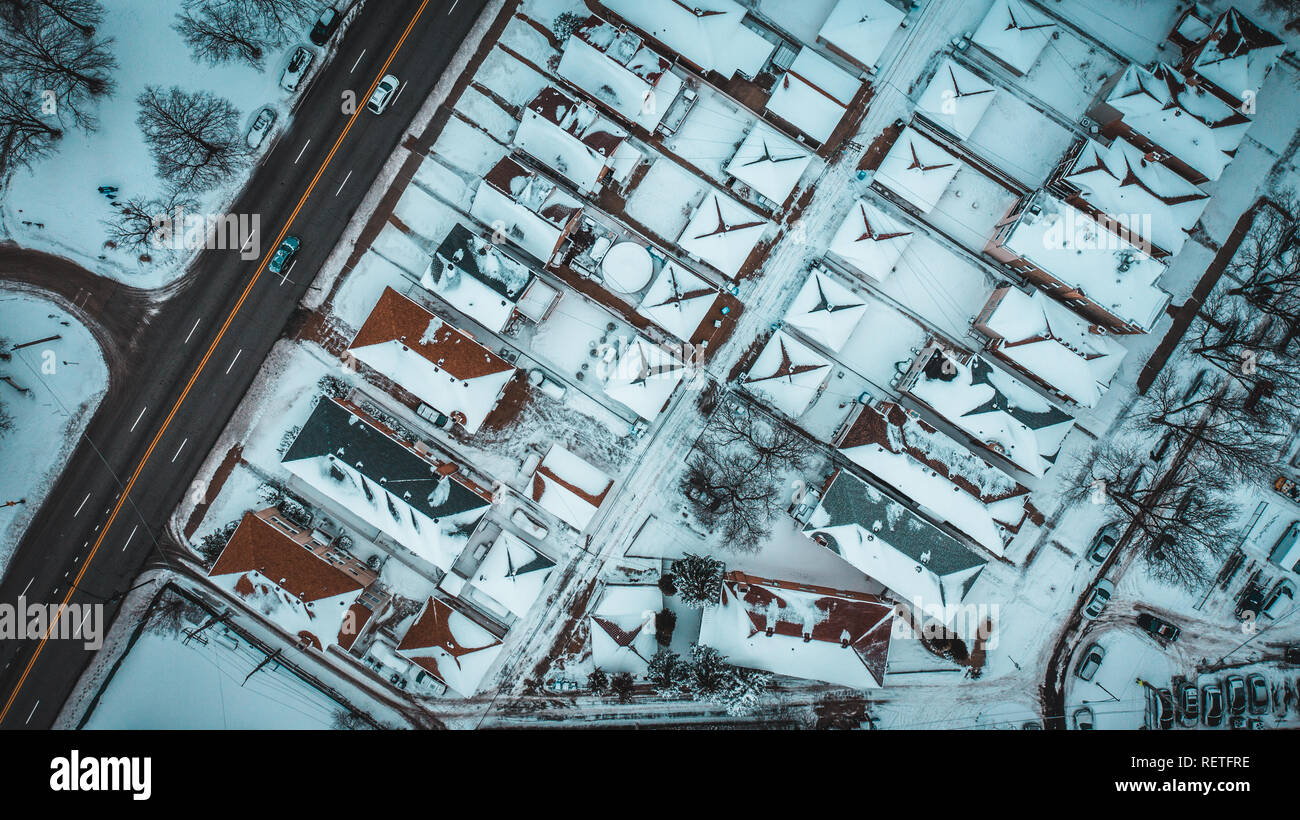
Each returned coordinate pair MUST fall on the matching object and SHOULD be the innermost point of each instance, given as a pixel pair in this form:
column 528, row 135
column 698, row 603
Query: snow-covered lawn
column 60, row 191
column 711, row 133
column 1019, row 139
column 971, row 207
column 65, row 380
column 939, row 286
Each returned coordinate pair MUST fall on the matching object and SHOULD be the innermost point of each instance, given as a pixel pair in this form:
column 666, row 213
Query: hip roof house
column 813, row 95
column 1232, row 58
column 826, row 311
column 870, row 240
column 1014, row 33
column 956, row 99
column 450, row 646
column 917, row 169
column 859, row 30
column 722, row 233
column 769, row 162
column 623, row 628
column 788, row 374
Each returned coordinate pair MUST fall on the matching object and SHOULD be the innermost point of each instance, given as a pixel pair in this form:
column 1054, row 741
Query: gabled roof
column 512, row 573
column 618, row 69
column 707, row 33
column 1150, row 199
column 870, row 240
column 804, row 632
column 470, row 274
column 788, row 374
column 1185, row 120
column 443, row 366
column 426, row 506
column 994, row 408
column 1237, row 54
column 644, row 377
column 569, row 136
column 623, row 627
column 917, row 169
column 449, row 646
column 1015, row 33
column 861, row 29
column 956, row 99
column 826, row 311
column 722, row 232
column 531, row 211
column 769, row 162
column 938, row 473
column 569, row 486
column 678, row 300
column 813, row 94
column 1043, row 338
column 891, row 543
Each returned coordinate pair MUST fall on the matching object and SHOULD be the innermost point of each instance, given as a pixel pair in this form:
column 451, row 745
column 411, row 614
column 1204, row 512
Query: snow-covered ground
column 51, row 390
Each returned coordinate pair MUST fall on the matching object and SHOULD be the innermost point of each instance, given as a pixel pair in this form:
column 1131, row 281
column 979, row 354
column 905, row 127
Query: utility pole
column 264, row 662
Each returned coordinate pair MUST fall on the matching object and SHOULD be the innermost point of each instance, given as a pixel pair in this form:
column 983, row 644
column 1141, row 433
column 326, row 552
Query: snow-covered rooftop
column 722, row 232
column 1147, row 197
column 569, row 136
column 861, row 29
column 1237, row 55
column 528, row 209
column 1185, row 120
column 445, row 367
column 426, row 506
column 1015, row 33
column 1072, row 247
column 788, row 374
column 450, row 646
column 938, row 473
column 1043, row 338
column 678, row 300
column 892, row 544
column 470, row 274
column 623, row 628
column 707, row 33
column 826, row 311
column 870, row 240
column 956, row 99
column 569, row 487
column 799, row 631
column 993, row 407
column 769, row 162
column 618, row 69
column 917, row 169
column 512, row 573
column 813, row 94
column 643, row 377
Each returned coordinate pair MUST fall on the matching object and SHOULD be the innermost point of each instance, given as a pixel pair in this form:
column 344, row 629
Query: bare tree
column 219, row 34
column 25, row 135
column 732, row 492
column 83, row 15
column 277, row 20
column 1248, row 348
column 57, row 62
column 775, row 444
column 139, row 220
column 194, row 136
column 1266, row 267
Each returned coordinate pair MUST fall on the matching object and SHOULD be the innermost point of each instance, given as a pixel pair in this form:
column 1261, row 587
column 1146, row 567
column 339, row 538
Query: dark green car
column 284, row 253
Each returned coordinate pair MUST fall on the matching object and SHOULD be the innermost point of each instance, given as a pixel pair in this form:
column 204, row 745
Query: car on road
column 1190, row 702
column 1236, row 695
column 1083, row 718
column 383, row 94
column 1089, row 662
column 296, row 69
column 1212, row 704
column 1257, row 692
column 1097, row 601
column 284, row 253
column 1280, row 599
column 1103, row 543
column 326, row 23
column 260, row 128
column 1158, row 628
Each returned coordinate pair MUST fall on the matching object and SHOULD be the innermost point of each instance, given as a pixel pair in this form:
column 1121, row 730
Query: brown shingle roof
column 397, row 318
column 258, row 545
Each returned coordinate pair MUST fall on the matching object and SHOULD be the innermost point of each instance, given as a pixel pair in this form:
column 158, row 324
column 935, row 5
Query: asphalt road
column 169, row 352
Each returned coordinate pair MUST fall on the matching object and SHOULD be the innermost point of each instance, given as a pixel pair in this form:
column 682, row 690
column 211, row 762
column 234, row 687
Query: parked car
column 1166, row 700
column 1100, row 596
column 1083, row 718
column 428, row 413
column 1236, row 695
column 325, row 25
column 1250, row 601
column 1212, row 704
column 260, row 128
column 284, row 253
column 1280, row 599
column 383, row 94
column 296, row 69
column 1158, row 628
column 1292, row 654
column 1191, row 705
column 1089, row 662
column 1257, row 692
column 1103, row 543
column 1031, row 724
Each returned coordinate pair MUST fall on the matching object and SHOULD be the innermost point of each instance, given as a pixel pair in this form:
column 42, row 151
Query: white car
column 261, row 127
column 296, row 69
column 383, row 94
